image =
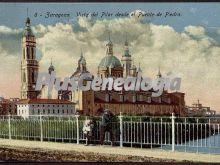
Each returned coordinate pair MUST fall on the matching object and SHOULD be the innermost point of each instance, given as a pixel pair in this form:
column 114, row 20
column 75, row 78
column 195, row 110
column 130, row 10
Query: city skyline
column 196, row 49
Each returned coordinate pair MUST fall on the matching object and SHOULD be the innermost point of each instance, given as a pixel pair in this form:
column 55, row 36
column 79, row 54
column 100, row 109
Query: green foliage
column 57, row 129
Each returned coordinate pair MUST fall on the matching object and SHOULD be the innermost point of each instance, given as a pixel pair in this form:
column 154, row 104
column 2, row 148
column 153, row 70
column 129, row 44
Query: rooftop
column 44, row 101
column 108, row 61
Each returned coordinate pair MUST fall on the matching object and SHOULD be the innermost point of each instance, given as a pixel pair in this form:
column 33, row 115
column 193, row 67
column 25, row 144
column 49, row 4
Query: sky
column 187, row 45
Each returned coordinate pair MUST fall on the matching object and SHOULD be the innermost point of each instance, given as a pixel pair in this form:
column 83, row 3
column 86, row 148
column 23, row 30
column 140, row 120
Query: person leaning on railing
column 106, row 126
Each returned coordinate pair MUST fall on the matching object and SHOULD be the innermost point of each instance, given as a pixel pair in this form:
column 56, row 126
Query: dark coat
column 107, row 119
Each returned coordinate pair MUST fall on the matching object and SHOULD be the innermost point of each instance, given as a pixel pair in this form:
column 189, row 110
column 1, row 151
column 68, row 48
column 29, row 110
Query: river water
column 209, row 145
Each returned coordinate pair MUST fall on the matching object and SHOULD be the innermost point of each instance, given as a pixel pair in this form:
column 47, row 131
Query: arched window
column 32, row 76
column 32, row 52
column 24, row 77
column 23, row 53
column 28, row 53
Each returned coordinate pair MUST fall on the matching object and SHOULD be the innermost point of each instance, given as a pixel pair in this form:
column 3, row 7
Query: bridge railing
column 188, row 134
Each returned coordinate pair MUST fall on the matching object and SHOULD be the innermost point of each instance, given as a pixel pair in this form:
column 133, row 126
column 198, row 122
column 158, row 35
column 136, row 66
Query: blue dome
column 110, row 61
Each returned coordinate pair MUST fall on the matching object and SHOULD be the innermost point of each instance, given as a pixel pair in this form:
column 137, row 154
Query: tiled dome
column 108, row 61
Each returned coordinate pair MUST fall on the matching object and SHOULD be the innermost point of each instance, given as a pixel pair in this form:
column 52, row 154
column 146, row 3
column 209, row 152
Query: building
column 29, row 64
column 77, row 95
column 90, row 102
column 197, row 109
column 133, row 103
column 27, row 108
column 127, row 102
column 128, row 67
column 8, row 106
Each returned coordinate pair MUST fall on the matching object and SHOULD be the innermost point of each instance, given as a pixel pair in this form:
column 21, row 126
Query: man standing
column 106, row 126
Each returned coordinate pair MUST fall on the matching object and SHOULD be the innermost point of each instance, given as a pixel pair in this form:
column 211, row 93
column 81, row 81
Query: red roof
column 44, row 101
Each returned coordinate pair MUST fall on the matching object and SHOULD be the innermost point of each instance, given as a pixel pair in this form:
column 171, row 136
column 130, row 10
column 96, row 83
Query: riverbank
column 20, row 150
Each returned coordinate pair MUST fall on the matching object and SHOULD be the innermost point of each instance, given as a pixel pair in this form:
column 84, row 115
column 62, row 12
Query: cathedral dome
column 108, row 61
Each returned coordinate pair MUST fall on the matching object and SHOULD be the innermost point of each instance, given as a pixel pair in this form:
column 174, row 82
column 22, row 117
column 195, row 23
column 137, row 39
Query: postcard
column 110, row 82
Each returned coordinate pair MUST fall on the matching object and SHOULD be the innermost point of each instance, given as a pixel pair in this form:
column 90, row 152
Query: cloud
column 7, row 30
column 195, row 30
column 9, row 73
column 84, row 22
column 214, row 34
column 191, row 54
column 40, row 29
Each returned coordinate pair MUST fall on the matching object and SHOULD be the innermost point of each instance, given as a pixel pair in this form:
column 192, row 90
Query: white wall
column 23, row 110
column 26, row 110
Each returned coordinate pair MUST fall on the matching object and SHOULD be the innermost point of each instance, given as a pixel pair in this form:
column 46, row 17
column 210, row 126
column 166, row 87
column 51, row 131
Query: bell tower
column 126, row 59
column 82, row 63
column 109, row 46
column 29, row 64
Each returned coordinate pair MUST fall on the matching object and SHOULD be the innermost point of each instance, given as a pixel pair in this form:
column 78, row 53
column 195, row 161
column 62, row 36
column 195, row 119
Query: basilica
column 93, row 102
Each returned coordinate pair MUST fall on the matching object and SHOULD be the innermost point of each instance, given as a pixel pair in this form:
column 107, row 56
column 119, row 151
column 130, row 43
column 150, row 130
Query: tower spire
column 51, row 67
column 81, row 52
column 27, row 12
column 109, row 46
column 81, row 63
column 126, row 58
column 109, row 38
column 126, row 48
column 126, row 39
column 27, row 30
column 139, row 67
column 159, row 73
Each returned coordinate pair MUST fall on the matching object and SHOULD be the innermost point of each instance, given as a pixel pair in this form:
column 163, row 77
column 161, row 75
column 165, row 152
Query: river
column 209, row 145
